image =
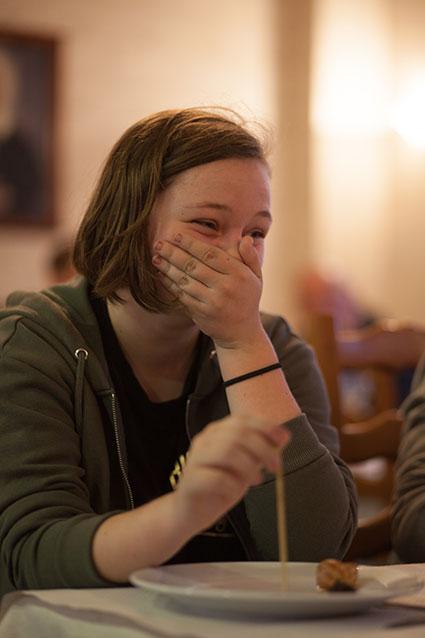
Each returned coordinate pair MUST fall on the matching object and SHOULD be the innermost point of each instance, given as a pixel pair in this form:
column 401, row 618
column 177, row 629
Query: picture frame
column 27, row 129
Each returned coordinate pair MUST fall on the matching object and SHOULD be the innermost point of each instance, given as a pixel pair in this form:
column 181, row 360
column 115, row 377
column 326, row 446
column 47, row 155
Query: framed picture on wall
column 27, row 129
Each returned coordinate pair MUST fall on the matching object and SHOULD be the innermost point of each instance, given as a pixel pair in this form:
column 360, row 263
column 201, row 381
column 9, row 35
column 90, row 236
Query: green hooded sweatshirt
column 62, row 447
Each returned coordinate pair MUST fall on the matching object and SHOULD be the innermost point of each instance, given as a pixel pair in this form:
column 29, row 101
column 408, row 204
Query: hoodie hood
column 63, row 316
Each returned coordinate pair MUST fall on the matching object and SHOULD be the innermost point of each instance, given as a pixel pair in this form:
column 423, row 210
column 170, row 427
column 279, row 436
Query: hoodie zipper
column 81, row 354
column 119, row 450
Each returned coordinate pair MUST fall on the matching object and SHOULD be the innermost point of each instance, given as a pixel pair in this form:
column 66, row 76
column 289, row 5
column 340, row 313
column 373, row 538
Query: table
column 129, row 613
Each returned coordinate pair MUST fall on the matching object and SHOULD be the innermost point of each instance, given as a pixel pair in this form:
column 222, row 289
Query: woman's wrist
column 251, row 354
column 253, row 373
column 245, row 341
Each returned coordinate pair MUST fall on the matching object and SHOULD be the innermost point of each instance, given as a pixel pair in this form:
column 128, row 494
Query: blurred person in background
column 323, row 293
column 141, row 404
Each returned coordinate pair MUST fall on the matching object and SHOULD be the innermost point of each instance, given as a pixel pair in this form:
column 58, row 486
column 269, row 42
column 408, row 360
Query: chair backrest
column 384, row 350
column 370, row 445
column 322, row 337
column 387, row 349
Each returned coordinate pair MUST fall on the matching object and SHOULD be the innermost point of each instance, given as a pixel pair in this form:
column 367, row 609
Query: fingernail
column 178, row 238
column 156, row 259
column 158, row 245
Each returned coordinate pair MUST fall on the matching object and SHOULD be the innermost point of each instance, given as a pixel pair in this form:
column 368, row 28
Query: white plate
column 254, row 588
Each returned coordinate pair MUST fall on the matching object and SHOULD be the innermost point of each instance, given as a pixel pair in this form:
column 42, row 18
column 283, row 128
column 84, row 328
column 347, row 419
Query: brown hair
column 112, row 248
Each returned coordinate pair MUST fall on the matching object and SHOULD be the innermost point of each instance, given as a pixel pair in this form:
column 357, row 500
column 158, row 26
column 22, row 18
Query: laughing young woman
column 141, row 405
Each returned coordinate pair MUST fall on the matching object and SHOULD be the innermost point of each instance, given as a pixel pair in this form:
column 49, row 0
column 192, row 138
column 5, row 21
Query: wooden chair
column 370, row 445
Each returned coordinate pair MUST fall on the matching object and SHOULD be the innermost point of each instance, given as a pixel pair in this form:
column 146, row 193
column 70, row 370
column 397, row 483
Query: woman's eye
column 257, row 234
column 206, row 223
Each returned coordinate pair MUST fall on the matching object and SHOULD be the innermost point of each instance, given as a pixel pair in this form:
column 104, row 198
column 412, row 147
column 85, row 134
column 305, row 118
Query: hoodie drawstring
column 81, row 355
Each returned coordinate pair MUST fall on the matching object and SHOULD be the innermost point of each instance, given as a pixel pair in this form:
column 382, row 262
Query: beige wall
column 353, row 199
column 368, row 184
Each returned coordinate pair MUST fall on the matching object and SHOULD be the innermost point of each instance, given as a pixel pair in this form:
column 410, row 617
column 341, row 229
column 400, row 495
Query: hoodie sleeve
column 46, row 522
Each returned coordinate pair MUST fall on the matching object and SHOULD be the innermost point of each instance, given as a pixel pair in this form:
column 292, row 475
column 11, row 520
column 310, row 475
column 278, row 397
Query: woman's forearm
column 267, row 395
column 148, row 535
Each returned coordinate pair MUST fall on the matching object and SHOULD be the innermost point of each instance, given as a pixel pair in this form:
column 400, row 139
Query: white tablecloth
column 129, row 613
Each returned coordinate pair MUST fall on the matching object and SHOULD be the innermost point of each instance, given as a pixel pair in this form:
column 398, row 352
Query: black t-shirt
column 157, row 443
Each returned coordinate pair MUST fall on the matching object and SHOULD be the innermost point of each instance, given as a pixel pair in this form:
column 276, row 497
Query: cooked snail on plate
column 334, row 575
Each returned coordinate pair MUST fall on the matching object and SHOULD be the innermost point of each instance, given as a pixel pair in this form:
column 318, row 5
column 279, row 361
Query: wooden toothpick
column 281, row 525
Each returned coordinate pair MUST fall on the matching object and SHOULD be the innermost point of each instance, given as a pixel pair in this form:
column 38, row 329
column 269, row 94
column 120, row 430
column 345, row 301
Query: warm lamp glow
column 408, row 115
column 350, row 87
column 351, row 73
column 351, row 99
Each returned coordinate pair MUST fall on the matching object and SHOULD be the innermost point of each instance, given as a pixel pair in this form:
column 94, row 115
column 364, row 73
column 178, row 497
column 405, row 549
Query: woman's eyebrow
column 224, row 207
column 214, row 205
